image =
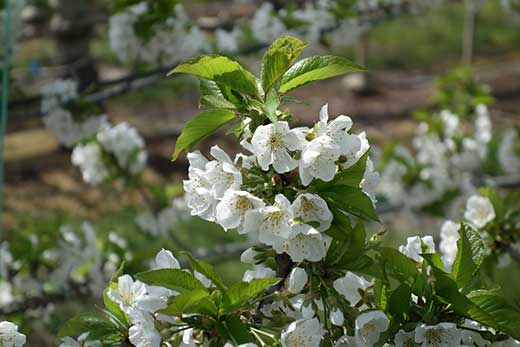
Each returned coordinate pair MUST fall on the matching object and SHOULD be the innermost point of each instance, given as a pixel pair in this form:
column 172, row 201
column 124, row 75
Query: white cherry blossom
column 222, row 173
column 302, row 333
column 258, row 272
column 479, row 211
column 414, row 247
column 336, row 317
column 143, row 333
column 273, row 222
column 232, row 211
column 312, row 208
column 440, row 335
column 273, row 144
column 9, row 335
column 199, row 190
column 448, row 245
column 127, row 293
column 369, row 326
column 165, row 260
column 89, row 159
column 296, row 280
column 248, row 256
column 350, row 285
column 318, row 160
column 405, row 339
column 305, row 243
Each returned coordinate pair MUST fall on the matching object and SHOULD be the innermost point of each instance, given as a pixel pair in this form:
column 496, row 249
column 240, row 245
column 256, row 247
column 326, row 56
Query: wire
column 5, row 94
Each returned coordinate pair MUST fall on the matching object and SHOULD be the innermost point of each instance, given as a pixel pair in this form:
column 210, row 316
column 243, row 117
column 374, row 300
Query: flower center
column 433, row 337
column 243, row 203
column 276, row 140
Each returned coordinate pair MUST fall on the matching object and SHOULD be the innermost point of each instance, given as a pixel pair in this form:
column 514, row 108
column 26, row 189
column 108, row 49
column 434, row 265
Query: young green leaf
column 196, row 301
column 399, row 302
column 174, row 279
column 314, row 69
column 114, row 307
column 222, row 70
column 207, row 270
column 201, row 126
column 96, row 326
column 278, row 58
column 398, row 263
column 351, row 200
column 470, row 254
column 507, row 317
column 240, row 293
column 349, row 177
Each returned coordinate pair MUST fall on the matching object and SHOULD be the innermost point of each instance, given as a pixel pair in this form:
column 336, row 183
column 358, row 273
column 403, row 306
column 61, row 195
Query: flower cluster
column 9, row 335
column 117, row 152
column 446, row 156
column 176, row 39
column 59, row 116
column 494, row 218
column 265, row 192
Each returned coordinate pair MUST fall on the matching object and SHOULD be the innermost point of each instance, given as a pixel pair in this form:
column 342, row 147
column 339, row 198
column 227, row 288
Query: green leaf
column 351, row 200
column 506, row 316
column 88, row 322
column 341, row 226
column 315, row 68
column 398, row 263
column 271, row 105
column 349, row 249
column 216, row 102
column 201, row 126
column 196, row 301
column 278, row 58
column 174, row 279
column 240, row 293
column 237, row 330
column 399, row 302
column 470, row 254
column 222, row 70
column 207, row 270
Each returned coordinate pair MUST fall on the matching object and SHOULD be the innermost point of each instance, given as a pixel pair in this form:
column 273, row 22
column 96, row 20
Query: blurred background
column 119, row 65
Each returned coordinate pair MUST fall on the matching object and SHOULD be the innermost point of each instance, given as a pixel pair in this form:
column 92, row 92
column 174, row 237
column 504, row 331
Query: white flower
column 479, row 211
column 297, row 280
column 233, row 209
column 405, row 339
column 143, row 333
column 258, row 272
column 450, row 123
column 350, row 285
column 265, row 27
column 305, row 243
column 337, row 317
column 70, row 131
column 165, row 260
column 348, row 341
column 483, row 126
column 440, row 335
column 302, row 333
column 414, row 247
column 370, row 181
column 127, row 293
column 273, row 144
column 318, row 160
column 369, row 326
column 227, row 41
column 471, row 337
column 6, row 293
column 312, row 208
column 222, row 173
column 508, row 155
column 57, row 93
column 9, row 335
column 336, row 129
column 199, row 189
column 273, row 222
column 89, row 159
column 248, row 256
column 448, row 245
column 206, row 282
column 125, row 143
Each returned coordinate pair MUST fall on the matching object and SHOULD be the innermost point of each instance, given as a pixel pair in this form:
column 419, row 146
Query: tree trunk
column 73, row 27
